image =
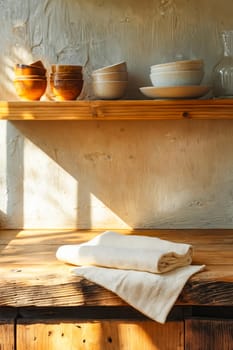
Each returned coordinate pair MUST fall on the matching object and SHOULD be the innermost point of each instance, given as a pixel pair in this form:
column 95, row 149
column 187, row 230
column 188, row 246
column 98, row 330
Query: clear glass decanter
column 223, row 71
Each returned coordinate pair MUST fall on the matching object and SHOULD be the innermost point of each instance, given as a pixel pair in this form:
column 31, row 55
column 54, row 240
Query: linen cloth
column 152, row 294
column 131, row 252
column 147, row 272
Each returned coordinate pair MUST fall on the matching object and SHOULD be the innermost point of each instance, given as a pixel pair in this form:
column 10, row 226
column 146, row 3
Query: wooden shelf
column 117, row 110
column 31, row 275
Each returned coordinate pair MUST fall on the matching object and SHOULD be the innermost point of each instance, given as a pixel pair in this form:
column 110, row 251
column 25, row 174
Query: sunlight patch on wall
column 54, row 198
column 21, row 55
column 50, row 193
column 18, row 55
column 7, row 76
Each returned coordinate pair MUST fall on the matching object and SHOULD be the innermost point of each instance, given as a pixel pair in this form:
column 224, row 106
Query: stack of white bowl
column 177, row 73
column 110, row 82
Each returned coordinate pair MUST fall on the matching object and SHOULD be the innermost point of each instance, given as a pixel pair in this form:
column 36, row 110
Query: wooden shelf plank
column 31, row 275
column 117, row 110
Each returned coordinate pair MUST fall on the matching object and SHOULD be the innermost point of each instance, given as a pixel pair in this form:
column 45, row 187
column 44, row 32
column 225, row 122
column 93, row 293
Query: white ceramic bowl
column 179, row 65
column 176, row 68
column 110, row 76
column 176, row 78
column 109, row 90
column 117, row 67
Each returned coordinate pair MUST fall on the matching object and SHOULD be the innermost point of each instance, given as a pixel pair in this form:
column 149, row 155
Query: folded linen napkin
column 147, row 272
column 131, row 252
column 151, row 294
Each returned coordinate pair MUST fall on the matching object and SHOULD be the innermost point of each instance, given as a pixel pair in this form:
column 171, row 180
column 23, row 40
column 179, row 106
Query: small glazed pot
column 38, row 64
column 30, row 77
column 30, row 89
column 66, row 89
column 66, row 68
column 69, row 76
column 24, row 69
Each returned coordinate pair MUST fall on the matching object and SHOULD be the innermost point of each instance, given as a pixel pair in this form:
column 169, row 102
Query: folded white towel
column 131, row 252
column 152, row 294
column 148, row 273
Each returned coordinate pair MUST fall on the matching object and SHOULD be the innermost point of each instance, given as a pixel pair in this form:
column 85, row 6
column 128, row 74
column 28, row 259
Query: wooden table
column 39, row 295
column 31, row 275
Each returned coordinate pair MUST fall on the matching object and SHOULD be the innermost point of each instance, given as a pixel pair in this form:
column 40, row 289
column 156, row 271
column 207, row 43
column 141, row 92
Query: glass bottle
column 223, row 71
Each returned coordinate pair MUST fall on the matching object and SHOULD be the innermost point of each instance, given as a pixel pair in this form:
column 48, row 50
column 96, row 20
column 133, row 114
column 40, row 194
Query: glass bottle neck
column 227, row 37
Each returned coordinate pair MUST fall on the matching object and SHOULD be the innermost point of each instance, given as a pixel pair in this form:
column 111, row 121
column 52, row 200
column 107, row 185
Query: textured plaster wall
column 98, row 32
column 114, row 174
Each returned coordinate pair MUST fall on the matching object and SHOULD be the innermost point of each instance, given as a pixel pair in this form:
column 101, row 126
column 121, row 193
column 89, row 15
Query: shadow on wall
column 3, row 219
column 173, row 174
column 14, row 177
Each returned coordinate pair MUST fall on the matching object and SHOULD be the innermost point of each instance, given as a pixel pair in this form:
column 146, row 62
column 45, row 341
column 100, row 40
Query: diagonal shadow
column 142, row 171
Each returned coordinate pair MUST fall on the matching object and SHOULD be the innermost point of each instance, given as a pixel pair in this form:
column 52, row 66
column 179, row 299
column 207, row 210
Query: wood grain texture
column 7, row 339
column 30, row 274
column 117, row 110
column 208, row 334
column 104, row 335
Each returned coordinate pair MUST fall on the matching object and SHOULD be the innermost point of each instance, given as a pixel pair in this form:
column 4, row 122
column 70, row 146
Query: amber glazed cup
column 30, row 89
column 24, row 69
column 59, row 76
column 65, row 89
column 66, row 68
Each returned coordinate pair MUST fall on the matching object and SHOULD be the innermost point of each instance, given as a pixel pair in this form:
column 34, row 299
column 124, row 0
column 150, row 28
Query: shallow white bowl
column 175, row 92
column 109, row 90
column 177, row 78
column 110, row 76
column 117, row 67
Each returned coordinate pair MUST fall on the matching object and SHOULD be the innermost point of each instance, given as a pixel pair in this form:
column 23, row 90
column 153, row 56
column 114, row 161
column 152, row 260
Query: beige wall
column 114, row 174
